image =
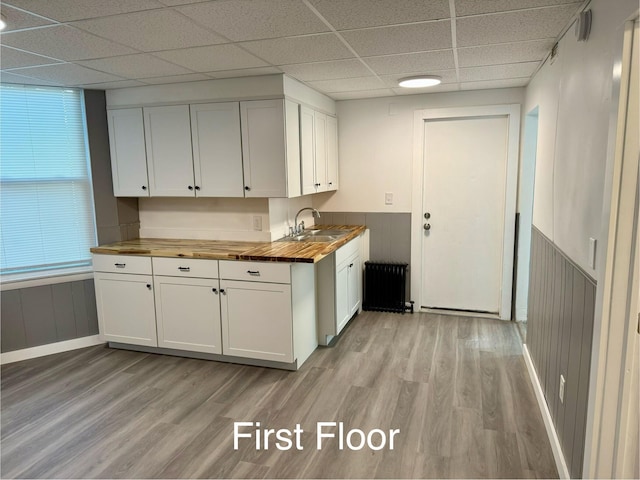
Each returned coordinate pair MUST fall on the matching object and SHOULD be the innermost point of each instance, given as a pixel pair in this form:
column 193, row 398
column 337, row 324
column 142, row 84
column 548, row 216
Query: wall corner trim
column 561, row 464
column 50, row 349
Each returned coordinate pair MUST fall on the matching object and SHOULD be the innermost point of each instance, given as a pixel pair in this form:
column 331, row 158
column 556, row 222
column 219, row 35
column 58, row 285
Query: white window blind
column 46, row 206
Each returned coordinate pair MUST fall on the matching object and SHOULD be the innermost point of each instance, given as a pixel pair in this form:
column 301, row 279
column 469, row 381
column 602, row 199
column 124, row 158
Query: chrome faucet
column 299, row 228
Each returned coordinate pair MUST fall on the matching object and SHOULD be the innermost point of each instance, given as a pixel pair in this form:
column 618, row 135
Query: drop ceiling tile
column 475, row 7
column 172, row 3
column 365, row 13
column 212, row 58
column 243, row 20
column 486, row 84
column 534, row 50
column 12, row 58
column 498, row 72
column 415, row 37
column 422, row 62
column 381, row 92
column 70, row 10
column 348, row 84
column 135, row 66
column 327, row 70
column 152, row 30
column 513, row 26
column 112, row 85
column 442, row 88
column 312, row 48
column 67, row 74
column 64, row 42
column 245, row 72
column 192, row 77
column 17, row 19
column 10, row 77
column 448, row 76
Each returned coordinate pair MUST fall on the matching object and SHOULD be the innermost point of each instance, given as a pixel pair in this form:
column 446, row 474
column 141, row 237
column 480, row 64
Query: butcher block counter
column 278, row 251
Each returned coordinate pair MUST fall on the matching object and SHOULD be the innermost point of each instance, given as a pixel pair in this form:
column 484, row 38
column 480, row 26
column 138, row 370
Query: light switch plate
column 388, row 198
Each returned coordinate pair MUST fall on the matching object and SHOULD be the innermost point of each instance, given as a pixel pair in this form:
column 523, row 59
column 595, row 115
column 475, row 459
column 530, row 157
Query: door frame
column 512, row 112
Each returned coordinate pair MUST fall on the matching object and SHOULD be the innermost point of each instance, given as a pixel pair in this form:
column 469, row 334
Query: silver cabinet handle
column 120, row 265
column 427, row 226
column 149, row 286
column 184, row 269
column 254, row 272
column 222, row 291
column 214, row 290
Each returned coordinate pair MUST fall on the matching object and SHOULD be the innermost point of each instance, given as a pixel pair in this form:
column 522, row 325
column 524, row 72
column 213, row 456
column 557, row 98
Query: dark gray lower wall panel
column 559, row 334
column 47, row 314
column 389, row 234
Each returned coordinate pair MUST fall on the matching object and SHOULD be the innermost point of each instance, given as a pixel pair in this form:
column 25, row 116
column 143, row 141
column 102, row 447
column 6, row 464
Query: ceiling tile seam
column 229, row 41
column 31, row 13
column 341, row 38
column 32, row 53
column 454, row 40
column 11, row 69
column 73, row 63
column 101, row 38
column 392, row 25
column 502, row 12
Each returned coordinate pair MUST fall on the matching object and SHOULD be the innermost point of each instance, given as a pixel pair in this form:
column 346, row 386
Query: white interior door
column 465, row 182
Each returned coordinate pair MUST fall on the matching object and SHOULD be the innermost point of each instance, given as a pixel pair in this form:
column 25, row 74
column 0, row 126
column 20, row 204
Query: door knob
column 427, row 216
column 427, row 226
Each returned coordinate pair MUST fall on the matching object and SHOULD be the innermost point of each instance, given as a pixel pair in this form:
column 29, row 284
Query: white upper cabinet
column 319, row 151
column 332, row 153
column 217, row 150
column 169, row 158
column 263, row 148
column 128, row 156
column 320, row 144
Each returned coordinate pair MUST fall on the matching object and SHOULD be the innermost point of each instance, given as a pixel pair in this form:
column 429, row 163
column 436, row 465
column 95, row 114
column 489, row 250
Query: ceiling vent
column 583, row 25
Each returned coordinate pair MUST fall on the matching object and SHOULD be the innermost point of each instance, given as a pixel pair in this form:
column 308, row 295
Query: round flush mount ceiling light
column 3, row 22
column 420, row 81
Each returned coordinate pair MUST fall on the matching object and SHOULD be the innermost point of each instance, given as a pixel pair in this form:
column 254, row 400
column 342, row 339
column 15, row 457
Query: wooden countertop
column 306, row 252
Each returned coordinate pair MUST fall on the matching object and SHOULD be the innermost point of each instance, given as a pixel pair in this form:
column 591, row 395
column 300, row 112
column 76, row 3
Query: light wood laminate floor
column 456, row 387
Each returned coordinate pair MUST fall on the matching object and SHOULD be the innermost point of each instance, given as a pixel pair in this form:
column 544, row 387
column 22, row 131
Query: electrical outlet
column 388, row 198
column 257, row 223
column 561, row 392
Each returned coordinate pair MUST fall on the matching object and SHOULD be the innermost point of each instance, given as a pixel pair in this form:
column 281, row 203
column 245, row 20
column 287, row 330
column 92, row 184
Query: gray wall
column 389, row 235
column 559, row 333
column 47, row 314
column 53, row 313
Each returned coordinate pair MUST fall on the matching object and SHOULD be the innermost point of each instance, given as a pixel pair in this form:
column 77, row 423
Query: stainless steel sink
column 315, row 236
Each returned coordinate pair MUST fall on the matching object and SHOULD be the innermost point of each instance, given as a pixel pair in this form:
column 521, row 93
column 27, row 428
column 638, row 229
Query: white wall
column 574, row 98
column 204, row 218
column 376, row 147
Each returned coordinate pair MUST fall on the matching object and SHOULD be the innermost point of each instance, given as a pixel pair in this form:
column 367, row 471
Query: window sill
column 38, row 279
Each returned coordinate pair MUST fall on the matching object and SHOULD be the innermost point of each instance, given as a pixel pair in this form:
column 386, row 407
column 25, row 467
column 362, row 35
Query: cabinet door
column 126, row 311
column 321, row 151
column 263, row 148
column 169, row 159
column 188, row 314
column 257, row 320
column 332, row 153
column 128, row 154
column 354, row 288
column 217, row 150
column 343, row 308
column 307, row 150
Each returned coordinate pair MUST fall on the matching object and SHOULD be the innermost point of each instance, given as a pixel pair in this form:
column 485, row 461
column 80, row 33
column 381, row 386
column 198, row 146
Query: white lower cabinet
column 126, row 311
column 256, row 320
column 188, row 314
column 339, row 283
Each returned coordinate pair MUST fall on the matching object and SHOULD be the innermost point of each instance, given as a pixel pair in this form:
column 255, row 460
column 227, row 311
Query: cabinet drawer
column 347, row 251
column 256, row 271
column 122, row 264
column 185, row 267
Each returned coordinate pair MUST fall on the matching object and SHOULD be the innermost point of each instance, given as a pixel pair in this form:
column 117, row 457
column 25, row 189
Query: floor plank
column 457, row 389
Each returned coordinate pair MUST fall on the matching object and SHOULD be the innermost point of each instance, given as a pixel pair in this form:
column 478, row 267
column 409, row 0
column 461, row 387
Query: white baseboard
column 49, row 349
column 561, row 464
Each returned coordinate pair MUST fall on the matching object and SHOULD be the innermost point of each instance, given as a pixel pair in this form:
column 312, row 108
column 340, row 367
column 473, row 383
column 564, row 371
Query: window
column 46, row 203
